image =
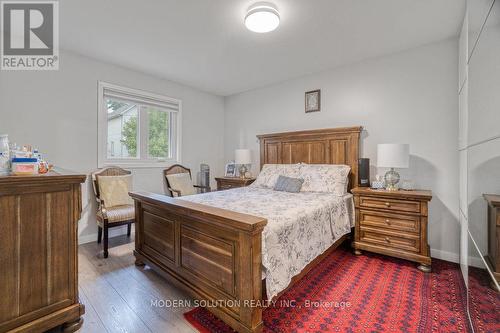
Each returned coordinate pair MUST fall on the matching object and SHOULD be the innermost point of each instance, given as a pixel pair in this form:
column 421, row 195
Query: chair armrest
column 101, row 207
column 203, row 189
column 176, row 191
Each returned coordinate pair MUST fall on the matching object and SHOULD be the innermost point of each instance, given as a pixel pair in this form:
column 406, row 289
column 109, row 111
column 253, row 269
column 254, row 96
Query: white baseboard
column 455, row 257
column 477, row 262
column 118, row 231
column 445, row 255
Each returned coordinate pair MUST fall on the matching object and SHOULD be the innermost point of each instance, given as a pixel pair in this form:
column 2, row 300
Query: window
column 137, row 128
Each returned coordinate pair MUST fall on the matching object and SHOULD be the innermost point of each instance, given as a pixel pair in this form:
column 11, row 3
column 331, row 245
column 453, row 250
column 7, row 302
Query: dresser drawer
column 392, row 204
column 406, row 242
column 227, row 186
column 401, row 222
column 226, row 183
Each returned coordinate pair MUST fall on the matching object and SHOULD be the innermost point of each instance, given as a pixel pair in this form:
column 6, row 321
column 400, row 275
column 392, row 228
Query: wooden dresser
column 38, row 252
column 226, row 183
column 393, row 223
column 494, row 233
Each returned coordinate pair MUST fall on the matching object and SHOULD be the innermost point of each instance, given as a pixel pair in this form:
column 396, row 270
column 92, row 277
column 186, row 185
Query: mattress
column 300, row 226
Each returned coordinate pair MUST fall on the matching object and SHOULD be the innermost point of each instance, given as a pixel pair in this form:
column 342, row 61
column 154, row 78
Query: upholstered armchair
column 115, row 207
column 179, row 181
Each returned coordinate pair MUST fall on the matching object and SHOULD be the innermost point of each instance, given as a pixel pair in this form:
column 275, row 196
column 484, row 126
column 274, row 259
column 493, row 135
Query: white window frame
column 102, row 131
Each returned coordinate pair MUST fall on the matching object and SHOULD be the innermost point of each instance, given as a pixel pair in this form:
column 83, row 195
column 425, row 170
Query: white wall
column 57, row 112
column 406, row 97
column 409, row 97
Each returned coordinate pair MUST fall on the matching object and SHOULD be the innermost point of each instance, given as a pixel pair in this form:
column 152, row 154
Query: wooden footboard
column 213, row 254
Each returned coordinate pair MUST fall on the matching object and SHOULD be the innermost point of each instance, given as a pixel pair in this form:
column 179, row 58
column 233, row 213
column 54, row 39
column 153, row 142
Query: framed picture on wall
column 313, row 100
column 230, row 170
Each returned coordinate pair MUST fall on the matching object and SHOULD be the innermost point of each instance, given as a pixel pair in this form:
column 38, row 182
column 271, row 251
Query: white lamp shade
column 242, row 156
column 393, row 155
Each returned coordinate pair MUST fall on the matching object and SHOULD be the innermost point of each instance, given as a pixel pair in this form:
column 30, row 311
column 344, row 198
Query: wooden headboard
column 324, row 146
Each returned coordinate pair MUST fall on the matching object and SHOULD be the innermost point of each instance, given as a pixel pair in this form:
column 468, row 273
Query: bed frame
column 215, row 254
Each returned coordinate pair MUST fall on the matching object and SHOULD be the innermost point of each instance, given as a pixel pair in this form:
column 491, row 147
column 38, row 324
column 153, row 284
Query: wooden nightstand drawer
column 405, row 242
column 400, row 222
column 392, row 204
column 226, row 183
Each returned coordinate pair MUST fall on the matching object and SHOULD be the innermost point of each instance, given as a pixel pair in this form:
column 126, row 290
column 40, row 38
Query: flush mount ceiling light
column 262, row 17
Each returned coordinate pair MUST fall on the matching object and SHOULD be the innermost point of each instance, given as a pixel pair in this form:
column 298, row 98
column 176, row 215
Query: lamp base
column 391, row 180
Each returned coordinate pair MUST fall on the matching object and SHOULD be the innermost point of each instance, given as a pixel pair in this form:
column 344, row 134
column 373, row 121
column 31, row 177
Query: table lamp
column 393, row 155
column 242, row 157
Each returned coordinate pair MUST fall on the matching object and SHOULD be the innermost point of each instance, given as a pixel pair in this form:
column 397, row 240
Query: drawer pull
column 387, row 239
column 388, row 204
column 388, row 221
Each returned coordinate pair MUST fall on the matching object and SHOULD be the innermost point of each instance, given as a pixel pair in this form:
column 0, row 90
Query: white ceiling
column 204, row 43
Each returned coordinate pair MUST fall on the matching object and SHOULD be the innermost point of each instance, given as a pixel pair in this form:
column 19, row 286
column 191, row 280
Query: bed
column 219, row 246
column 301, row 226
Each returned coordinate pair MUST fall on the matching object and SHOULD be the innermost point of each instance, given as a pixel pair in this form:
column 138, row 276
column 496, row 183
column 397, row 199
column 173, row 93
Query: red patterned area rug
column 484, row 302
column 367, row 293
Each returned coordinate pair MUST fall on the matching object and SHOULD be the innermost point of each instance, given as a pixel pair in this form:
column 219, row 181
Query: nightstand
column 226, row 183
column 393, row 223
column 493, row 233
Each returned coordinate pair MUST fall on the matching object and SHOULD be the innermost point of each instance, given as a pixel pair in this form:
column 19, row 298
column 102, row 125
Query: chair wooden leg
column 99, row 235
column 105, row 245
column 129, row 229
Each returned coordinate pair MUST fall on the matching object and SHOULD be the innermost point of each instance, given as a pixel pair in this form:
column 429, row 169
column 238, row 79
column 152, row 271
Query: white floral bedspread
column 300, row 226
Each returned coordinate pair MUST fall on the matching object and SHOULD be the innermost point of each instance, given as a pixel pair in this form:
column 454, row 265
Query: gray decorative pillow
column 288, row 184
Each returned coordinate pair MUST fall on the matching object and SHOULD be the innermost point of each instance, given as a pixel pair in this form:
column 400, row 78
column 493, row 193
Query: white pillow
column 270, row 172
column 329, row 178
column 114, row 190
column 181, row 182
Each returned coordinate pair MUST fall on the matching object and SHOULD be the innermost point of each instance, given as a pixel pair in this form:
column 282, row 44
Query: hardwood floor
column 119, row 297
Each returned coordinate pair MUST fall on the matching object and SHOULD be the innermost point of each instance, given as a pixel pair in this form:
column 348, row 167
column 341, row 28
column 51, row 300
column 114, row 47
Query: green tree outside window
column 157, row 138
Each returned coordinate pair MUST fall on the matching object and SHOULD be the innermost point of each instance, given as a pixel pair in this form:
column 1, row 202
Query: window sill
column 138, row 165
